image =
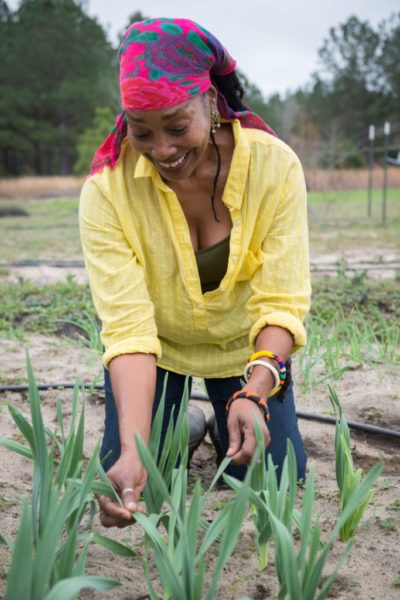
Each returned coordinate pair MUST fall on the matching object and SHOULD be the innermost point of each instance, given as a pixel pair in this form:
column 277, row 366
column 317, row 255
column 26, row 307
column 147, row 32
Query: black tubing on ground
column 203, row 397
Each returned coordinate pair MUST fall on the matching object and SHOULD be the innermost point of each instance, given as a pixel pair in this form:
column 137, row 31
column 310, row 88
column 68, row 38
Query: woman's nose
column 163, row 148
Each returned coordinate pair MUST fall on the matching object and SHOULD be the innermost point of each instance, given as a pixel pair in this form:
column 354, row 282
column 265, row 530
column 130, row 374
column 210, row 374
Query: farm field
column 354, row 343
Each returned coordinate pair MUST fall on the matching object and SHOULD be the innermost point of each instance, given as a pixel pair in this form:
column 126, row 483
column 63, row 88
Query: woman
column 194, row 231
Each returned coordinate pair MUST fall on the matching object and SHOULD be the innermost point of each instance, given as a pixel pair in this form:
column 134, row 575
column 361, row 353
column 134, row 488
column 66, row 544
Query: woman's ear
column 212, row 94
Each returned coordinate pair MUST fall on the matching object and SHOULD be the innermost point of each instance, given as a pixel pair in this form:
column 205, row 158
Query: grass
column 339, row 221
column 353, row 195
column 49, row 231
column 54, row 309
column 336, row 218
column 388, row 524
column 353, row 320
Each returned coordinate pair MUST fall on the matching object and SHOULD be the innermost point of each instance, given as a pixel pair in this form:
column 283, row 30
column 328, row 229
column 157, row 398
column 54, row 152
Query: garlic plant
column 348, row 478
column 50, row 553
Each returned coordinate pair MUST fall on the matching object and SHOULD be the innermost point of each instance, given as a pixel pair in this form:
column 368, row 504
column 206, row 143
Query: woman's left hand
column 242, row 439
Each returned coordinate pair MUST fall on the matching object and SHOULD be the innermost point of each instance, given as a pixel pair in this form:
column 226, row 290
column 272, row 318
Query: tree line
column 59, row 90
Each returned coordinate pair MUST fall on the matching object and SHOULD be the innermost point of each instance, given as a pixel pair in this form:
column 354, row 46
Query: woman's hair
column 232, row 90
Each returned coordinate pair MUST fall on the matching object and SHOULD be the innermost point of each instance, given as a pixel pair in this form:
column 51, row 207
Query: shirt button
column 200, row 306
column 237, row 222
column 222, row 289
column 234, row 259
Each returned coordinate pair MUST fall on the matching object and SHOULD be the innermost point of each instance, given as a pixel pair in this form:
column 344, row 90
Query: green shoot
column 348, row 478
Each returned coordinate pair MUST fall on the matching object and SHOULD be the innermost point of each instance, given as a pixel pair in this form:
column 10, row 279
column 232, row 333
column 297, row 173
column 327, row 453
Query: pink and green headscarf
column 163, row 63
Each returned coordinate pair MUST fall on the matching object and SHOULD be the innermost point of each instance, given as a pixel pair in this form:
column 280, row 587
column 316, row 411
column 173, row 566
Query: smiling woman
column 194, row 230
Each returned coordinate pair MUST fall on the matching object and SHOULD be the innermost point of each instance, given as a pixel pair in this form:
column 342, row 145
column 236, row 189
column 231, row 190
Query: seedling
column 349, row 479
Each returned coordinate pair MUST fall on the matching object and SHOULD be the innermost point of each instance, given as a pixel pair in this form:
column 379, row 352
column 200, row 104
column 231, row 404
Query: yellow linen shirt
column 142, row 267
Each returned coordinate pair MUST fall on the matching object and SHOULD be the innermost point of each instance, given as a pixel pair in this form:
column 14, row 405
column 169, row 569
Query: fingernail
column 131, row 506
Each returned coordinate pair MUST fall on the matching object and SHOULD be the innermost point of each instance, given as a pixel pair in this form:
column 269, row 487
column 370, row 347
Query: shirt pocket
column 249, row 264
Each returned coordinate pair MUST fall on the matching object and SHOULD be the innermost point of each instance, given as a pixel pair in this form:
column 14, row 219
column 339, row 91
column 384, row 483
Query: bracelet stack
column 279, row 376
column 259, row 400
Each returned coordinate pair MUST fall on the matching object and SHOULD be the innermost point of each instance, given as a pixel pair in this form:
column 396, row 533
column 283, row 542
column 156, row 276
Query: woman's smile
column 175, row 165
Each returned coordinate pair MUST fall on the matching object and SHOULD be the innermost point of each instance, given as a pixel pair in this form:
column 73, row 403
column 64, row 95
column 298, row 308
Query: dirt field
column 374, row 562
column 368, row 394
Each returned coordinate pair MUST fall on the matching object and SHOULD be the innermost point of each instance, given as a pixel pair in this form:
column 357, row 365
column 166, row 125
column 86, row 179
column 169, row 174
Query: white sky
column 275, row 42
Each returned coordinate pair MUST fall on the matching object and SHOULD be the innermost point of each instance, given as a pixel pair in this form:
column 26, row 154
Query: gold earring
column 215, row 118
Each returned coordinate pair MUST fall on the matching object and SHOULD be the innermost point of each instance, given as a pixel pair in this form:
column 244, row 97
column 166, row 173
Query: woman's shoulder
column 271, row 142
column 110, row 179
column 267, row 148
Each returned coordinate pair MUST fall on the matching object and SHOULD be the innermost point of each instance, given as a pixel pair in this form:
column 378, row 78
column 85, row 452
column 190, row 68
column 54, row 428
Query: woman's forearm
column 133, row 380
column 279, row 341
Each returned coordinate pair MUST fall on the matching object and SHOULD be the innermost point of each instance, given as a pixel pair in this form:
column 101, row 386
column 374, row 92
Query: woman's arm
column 279, row 301
column 261, row 382
column 129, row 334
column 133, row 380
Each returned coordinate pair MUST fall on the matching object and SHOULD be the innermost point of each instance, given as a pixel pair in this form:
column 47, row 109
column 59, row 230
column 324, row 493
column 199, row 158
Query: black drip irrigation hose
column 367, row 265
column 203, row 397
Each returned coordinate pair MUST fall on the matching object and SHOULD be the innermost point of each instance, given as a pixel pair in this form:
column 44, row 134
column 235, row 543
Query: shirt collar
column 238, row 172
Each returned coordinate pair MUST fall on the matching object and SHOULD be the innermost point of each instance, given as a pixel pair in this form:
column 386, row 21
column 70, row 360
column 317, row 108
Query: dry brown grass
column 40, row 187
column 318, row 180
column 321, row 180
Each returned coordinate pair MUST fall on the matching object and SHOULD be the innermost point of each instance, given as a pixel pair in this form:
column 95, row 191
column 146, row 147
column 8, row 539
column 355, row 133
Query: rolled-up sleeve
column 281, row 285
column 116, row 279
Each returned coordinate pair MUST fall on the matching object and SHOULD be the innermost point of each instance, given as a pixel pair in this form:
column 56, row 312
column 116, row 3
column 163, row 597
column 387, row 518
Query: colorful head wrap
column 163, row 63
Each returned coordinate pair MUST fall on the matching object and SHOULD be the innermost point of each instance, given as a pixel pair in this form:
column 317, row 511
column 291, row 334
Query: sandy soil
column 375, row 559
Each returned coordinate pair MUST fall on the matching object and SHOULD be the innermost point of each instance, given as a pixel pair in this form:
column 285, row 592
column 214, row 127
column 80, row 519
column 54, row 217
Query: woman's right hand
column 128, row 477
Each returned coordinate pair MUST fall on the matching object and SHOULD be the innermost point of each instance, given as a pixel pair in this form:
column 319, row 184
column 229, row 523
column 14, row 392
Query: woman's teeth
column 173, row 165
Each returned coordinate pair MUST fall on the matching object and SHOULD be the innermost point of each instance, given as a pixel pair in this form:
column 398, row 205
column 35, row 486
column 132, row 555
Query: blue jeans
column 282, row 424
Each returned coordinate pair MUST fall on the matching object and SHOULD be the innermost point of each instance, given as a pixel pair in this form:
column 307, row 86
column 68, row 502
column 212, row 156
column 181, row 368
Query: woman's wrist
column 261, row 381
column 128, row 443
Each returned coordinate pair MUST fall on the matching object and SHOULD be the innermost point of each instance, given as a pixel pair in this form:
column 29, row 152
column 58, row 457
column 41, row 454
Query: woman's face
column 174, row 139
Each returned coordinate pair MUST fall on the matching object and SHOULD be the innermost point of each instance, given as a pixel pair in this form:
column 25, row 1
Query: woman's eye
column 140, row 136
column 178, row 130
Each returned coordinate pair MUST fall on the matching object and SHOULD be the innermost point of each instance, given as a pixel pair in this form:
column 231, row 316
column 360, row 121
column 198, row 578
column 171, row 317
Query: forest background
column 59, row 91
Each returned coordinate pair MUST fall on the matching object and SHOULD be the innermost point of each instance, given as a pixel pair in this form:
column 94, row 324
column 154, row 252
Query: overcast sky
column 275, row 42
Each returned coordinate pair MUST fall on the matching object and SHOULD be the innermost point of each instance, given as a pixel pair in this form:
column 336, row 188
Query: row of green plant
column 50, row 553
column 353, row 320
column 64, row 308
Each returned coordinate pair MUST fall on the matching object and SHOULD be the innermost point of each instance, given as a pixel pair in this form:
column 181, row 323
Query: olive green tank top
column 212, row 263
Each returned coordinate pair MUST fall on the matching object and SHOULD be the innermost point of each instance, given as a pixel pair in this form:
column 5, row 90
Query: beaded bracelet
column 259, row 400
column 276, row 358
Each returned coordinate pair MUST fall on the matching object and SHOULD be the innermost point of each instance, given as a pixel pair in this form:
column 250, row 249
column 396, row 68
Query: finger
column 112, row 509
column 245, row 453
column 235, row 438
column 108, row 521
column 267, row 437
column 130, row 499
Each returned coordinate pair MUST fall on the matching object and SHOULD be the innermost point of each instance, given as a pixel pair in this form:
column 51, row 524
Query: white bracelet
column 267, row 365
